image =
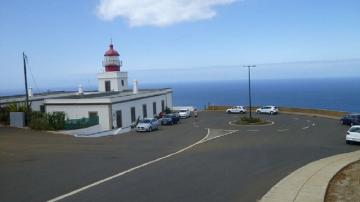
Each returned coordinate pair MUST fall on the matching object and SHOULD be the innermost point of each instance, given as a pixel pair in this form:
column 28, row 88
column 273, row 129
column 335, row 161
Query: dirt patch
column 345, row 185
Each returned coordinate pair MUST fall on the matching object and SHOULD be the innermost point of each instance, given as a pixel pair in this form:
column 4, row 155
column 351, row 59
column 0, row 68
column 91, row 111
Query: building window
column 133, row 115
column 154, row 108
column 93, row 114
column 162, row 105
column 144, row 111
column 122, row 82
column 42, row 108
column 118, row 119
column 107, row 86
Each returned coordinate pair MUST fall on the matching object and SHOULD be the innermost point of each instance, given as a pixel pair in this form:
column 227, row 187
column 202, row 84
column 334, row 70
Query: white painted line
column 296, row 118
column 255, row 130
column 282, row 130
column 137, row 167
column 234, row 124
column 228, row 133
column 306, row 127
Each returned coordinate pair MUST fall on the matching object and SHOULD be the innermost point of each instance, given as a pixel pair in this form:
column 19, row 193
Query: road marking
column 306, row 127
column 313, row 124
column 282, row 130
column 296, row 118
column 205, row 139
column 255, row 130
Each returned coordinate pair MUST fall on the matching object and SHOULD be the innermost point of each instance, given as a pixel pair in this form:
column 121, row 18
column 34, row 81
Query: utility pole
column 249, row 66
column 26, row 86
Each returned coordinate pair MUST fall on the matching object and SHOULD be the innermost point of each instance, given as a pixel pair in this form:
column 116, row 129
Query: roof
column 111, row 51
column 107, row 97
column 59, row 97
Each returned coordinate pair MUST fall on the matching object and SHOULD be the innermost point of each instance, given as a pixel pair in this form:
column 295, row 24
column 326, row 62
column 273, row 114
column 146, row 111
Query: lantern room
column 111, row 60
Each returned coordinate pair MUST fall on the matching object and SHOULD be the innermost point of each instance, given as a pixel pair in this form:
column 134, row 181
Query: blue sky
column 178, row 40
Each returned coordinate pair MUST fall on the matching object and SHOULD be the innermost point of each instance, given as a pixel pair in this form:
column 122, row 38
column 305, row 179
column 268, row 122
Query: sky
column 177, row 40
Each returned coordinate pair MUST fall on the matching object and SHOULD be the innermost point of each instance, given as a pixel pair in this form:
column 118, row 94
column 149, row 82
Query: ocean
column 342, row 94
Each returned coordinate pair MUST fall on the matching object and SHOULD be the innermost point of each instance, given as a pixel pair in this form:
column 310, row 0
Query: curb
column 309, row 183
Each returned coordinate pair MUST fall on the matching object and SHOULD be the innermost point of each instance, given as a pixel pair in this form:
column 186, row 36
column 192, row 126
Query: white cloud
column 159, row 12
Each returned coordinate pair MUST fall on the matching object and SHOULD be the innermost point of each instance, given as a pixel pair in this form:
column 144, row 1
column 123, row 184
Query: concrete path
column 309, row 183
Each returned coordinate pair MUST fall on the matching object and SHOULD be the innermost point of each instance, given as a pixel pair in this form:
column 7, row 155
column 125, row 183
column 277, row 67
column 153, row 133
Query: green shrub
column 56, row 120
column 4, row 115
column 250, row 120
column 46, row 121
column 38, row 121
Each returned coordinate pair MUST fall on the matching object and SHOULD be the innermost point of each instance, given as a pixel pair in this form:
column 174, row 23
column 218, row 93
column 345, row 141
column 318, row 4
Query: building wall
column 125, row 108
column 115, row 79
column 82, row 111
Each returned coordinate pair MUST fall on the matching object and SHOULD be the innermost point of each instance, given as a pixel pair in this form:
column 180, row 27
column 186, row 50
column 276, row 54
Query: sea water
column 341, row 94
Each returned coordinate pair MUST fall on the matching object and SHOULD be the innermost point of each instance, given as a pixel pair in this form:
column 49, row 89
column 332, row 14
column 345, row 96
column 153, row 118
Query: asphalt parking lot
column 242, row 165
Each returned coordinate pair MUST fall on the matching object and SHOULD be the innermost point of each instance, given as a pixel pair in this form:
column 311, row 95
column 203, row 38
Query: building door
column 144, row 111
column 107, row 86
column 162, row 105
column 133, row 115
column 154, row 108
column 118, row 119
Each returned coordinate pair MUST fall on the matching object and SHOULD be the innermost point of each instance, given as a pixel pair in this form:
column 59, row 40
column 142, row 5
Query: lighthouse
column 112, row 78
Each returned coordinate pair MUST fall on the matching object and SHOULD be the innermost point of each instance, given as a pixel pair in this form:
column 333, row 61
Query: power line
column 32, row 76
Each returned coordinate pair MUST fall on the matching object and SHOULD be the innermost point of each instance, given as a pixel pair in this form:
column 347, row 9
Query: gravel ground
column 345, row 186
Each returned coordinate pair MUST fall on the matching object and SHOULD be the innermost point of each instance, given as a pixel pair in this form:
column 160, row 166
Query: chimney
column 135, row 87
column 80, row 90
column 30, row 92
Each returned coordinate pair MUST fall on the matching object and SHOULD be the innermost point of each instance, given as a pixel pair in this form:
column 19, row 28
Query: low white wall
column 82, row 111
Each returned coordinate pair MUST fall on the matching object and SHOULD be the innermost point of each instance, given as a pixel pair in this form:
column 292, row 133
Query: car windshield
column 183, row 110
column 145, row 121
column 355, row 130
column 168, row 116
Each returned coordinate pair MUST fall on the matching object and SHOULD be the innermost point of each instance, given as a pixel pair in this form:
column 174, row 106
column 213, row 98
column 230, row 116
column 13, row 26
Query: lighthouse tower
column 112, row 79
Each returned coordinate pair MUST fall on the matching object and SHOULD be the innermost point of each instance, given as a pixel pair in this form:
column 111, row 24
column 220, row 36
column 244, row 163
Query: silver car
column 147, row 124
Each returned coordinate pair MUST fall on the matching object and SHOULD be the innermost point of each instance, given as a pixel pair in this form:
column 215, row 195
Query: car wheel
column 150, row 129
column 228, row 112
column 271, row 113
column 348, row 142
column 258, row 112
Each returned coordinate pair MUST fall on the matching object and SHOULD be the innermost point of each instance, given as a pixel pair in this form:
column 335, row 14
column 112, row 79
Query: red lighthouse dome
column 111, row 60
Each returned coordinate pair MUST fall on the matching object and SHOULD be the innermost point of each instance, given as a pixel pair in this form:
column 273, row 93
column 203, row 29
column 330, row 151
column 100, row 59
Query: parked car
column 353, row 134
column 236, row 109
column 184, row 113
column 267, row 110
column 350, row 119
column 170, row 119
column 147, row 124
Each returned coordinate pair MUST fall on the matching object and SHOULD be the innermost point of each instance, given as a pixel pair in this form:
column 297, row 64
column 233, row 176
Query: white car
column 236, row 109
column 184, row 113
column 267, row 110
column 147, row 124
column 353, row 134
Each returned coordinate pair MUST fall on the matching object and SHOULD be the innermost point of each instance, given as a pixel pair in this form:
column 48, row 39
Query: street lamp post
column 249, row 66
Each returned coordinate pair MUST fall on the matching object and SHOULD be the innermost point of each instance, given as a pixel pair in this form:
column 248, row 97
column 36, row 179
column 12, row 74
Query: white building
column 114, row 104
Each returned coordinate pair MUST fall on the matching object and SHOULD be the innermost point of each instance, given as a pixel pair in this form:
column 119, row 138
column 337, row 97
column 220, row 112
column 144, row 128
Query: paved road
column 240, row 166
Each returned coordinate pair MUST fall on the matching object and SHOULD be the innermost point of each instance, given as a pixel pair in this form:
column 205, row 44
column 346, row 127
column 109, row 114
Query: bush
column 56, row 120
column 38, row 121
column 47, row 121
column 250, row 120
column 4, row 115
